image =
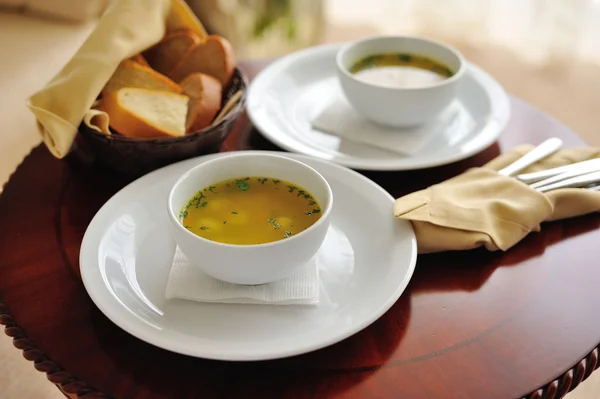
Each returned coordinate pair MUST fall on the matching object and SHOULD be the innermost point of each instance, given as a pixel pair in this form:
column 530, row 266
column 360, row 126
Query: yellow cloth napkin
column 483, row 208
column 126, row 28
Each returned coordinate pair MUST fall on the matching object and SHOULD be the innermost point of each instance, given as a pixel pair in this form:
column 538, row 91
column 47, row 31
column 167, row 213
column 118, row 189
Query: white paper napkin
column 340, row 119
column 186, row 281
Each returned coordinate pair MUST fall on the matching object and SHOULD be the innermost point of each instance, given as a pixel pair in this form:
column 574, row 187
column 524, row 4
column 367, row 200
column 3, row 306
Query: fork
column 573, row 182
column 574, row 171
column 581, row 167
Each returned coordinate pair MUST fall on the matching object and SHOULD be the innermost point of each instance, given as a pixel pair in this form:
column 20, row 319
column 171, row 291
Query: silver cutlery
column 574, row 182
column 570, row 173
column 585, row 174
column 583, row 166
column 540, row 152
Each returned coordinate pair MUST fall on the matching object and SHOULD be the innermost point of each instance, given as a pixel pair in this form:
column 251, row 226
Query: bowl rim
column 324, row 213
column 234, row 113
column 457, row 75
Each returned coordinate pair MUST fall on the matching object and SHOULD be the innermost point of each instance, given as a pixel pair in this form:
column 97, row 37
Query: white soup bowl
column 250, row 264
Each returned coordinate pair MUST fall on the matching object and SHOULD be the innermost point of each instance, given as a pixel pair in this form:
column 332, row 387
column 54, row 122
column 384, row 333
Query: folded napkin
column 126, row 28
column 186, row 281
column 340, row 119
column 483, row 208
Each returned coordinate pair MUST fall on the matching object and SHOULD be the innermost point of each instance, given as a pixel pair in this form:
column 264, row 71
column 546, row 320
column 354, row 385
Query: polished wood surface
column 470, row 324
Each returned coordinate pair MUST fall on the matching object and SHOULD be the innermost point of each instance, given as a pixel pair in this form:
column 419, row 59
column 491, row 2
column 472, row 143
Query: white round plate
column 284, row 97
column 365, row 264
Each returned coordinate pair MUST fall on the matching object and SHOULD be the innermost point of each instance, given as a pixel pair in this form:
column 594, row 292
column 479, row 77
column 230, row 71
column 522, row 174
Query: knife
column 540, row 152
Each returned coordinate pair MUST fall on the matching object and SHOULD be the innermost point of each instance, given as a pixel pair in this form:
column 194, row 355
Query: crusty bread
column 132, row 74
column 145, row 113
column 205, row 93
column 164, row 55
column 139, row 59
column 212, row 57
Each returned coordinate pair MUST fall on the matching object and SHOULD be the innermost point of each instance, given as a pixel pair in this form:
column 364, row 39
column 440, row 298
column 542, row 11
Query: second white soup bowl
column 250, row 264
column 393, row 106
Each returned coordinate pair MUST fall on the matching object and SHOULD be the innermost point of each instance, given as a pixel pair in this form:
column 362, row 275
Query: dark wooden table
column 470, row 325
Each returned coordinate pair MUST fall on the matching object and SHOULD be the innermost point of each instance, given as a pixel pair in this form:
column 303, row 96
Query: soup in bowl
column 250, row 218
column 399, row 81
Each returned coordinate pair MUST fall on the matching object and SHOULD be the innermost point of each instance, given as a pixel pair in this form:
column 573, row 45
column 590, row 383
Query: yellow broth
column 250, row 210
column 400, row 70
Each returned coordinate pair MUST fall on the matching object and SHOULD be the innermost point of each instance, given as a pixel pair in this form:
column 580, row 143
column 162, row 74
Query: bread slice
column 132, row 74
column 145, row 113
column 140, row 60
column 205, row 94
column 212, row 57
column 164, row 55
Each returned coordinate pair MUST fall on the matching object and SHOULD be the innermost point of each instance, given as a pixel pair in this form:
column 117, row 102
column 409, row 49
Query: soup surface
column 250, row 210
column 398, row 70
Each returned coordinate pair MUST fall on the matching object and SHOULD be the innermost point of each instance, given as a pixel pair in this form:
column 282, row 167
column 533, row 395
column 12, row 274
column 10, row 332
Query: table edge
column 65, row 381
column 71, row 385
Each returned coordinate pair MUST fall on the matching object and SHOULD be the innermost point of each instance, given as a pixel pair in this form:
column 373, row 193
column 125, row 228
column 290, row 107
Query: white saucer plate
column 286, row 95
column 365, row 264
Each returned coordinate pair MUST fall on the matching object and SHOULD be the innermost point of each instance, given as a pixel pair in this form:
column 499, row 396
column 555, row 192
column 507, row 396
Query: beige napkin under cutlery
column 480, row 207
